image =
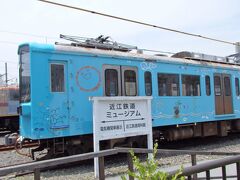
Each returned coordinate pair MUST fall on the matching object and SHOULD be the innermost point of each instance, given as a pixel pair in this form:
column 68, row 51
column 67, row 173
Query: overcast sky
column 34, row 21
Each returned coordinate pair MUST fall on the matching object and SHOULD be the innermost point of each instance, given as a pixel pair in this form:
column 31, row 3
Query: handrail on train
column 190, row 172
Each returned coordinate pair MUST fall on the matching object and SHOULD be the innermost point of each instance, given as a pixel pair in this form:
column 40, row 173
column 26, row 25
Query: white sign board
column 121, row 116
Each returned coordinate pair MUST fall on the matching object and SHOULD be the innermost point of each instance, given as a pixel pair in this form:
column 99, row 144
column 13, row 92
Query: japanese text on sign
column 117, row 118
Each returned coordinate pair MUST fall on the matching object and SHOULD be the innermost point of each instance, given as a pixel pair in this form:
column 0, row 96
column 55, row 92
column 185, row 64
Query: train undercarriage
column 9, row 123
column 82, row 144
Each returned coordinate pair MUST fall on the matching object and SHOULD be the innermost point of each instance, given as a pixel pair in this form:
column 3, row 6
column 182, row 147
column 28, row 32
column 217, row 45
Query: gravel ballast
column 118, row 165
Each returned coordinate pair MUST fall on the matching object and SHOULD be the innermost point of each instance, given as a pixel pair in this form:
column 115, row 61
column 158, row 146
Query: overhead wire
column 15, row 43
column 7, row 61
column 9, row 67
column 139, row 22
column 27, row 34
column 45, row 38
column 9, row 42
column 157, row 51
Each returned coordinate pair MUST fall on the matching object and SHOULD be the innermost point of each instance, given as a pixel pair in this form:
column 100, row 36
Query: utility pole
column 237, row 47
column 1, row 79
column 6, row 77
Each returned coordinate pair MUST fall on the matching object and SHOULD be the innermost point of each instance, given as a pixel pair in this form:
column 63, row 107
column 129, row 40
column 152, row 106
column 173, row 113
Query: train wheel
column 72, row 150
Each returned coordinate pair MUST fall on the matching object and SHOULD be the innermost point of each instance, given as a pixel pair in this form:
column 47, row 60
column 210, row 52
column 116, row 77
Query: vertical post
column 238, row 170
column 224, row 173
column 101, row 168
column 150, row 144
column 237, row 46
column 6, row 77
column 96, row 141
column 149, row 135
column 130, row 165
column 96, row 159
column 36, row 174
column 194, row 162
column 207, row 175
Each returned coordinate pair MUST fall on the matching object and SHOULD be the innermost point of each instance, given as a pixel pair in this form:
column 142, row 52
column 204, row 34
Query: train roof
column 66, row 48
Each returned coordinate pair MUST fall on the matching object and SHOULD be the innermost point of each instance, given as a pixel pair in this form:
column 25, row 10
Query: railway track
column 120, row 160
column 9, row 148
column 17, row 174
column 4, row 132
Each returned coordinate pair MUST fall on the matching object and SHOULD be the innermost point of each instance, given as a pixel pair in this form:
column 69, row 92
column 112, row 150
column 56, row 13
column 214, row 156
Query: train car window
column 148, row 83
column 217, row 86
column 191, row 85
column 57, row 78
column 3, row 96
column 130, row 83
column 227, row 86
column 168, row 84
column 25, row 77
column 13, row 95
column 237, row 86
column 208, row 86
column 111, row 82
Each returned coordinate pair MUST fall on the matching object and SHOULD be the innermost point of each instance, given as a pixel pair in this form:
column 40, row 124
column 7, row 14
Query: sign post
column 119, row 117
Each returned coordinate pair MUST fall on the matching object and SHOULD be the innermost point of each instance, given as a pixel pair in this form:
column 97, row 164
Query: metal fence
column 189, row 172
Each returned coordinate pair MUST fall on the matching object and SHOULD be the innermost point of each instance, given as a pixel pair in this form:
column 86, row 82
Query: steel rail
column 8, row 148
column 36, row 167
column 206, row 166
column 175, row 152
column 53, row 162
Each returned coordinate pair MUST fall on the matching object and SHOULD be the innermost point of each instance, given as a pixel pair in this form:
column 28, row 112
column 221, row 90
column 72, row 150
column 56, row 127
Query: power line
column 139, row 22
column 15, row 43
column 156, row 51
column 46, row 38
column 9, row 67
column 27, row 34
column 11, row 62
column 9, row 42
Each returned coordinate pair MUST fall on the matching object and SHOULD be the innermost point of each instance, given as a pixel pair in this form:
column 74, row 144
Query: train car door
column 120, row 80
column 59, row 101
column 223, row 94
column 228, row 104
column 129, row 81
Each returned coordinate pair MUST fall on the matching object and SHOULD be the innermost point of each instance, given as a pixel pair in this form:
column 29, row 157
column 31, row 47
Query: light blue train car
column 192, row 97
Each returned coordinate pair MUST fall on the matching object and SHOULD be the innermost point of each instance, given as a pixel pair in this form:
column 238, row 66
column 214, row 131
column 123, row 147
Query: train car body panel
column 62, row 78
column 9, row 102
